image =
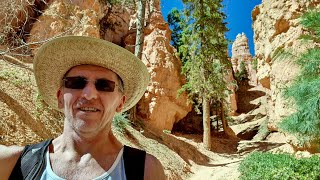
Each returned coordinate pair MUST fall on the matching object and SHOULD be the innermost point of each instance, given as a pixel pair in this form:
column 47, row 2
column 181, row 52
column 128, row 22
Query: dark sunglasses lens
column 75, row 82
column 105, row 85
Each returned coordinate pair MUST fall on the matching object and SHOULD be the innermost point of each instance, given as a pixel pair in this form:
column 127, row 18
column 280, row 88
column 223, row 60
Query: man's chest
column 84, row 168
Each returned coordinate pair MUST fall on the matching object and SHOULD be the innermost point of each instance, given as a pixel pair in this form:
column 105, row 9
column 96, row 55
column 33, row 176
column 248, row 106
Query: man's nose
column 90, row 91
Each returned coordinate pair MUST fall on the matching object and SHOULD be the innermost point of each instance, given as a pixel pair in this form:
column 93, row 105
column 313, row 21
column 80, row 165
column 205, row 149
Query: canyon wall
column 276, row 27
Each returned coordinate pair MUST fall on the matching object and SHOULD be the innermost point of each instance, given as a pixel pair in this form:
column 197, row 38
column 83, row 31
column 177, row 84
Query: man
column 89, row 80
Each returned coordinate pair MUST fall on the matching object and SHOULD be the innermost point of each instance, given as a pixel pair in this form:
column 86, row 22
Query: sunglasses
column 79, row 82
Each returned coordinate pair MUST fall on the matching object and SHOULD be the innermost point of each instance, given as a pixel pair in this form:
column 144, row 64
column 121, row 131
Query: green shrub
column 266, row 166
column 120, row 122
column 254, row 63
column 242, row 74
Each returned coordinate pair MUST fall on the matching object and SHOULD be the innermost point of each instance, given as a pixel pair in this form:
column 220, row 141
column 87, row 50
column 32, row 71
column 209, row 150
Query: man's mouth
column 89, row 109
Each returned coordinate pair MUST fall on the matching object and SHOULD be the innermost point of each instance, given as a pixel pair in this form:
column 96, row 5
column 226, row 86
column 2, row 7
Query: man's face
column 90, row 109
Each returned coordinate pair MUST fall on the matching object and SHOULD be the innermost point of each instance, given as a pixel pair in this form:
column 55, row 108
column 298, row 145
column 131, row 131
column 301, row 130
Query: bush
column 260, row 165
column 254, row 63
column 242, row 74
column 120, row 122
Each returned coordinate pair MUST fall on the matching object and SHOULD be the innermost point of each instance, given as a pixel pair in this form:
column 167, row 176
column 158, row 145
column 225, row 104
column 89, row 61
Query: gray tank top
column 116, row 172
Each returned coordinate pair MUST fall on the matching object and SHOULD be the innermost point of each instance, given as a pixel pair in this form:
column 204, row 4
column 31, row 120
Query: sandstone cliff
column 276, row 26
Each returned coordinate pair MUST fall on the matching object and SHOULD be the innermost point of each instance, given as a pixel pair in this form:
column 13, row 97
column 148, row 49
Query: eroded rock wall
column 161, row 106
column 276, row 26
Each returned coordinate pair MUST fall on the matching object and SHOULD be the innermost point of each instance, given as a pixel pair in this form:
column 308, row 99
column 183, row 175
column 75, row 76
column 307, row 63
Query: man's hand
column 8, row 158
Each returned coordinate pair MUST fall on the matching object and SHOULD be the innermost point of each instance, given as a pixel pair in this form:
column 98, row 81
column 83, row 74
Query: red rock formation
column 232, row 99
column 161, row 105
column 241, row 53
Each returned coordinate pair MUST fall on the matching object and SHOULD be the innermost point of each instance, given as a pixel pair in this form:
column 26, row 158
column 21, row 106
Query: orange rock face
column 241, row 54
column 61, row 18
column 161, row 106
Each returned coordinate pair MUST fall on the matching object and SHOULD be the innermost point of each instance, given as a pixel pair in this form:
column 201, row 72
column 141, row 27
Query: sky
column 238, row 17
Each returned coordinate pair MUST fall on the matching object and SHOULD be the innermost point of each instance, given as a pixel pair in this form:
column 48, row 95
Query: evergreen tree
column 176, row 22
column 204, row 51
column 305, row 90
column 242, row 74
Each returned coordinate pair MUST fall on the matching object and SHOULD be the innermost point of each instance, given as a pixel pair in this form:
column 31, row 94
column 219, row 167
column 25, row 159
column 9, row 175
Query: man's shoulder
column 153, row 168
column 8, row 158
column 9, row 152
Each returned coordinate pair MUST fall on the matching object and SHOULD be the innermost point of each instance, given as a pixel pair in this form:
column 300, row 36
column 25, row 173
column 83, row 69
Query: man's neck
column 102, row 143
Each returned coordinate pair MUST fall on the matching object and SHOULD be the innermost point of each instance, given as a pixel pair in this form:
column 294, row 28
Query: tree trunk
column 139, row 43
column 206, row 123
column 217, row 119
column 223, row 119
column 227, row 130
column 140, row 26
column 151, row 7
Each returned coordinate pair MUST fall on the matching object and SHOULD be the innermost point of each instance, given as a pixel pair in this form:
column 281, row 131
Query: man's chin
column 87, row 132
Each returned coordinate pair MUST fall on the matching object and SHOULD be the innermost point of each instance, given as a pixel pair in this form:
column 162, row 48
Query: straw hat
column 57, row 56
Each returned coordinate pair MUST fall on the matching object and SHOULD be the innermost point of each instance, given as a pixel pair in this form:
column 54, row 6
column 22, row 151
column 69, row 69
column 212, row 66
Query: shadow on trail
column 185, row 150
column 245, row 95
column 246, row 147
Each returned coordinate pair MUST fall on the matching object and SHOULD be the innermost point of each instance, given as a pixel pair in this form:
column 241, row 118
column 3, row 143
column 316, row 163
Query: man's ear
column 121, row 103
column 60, row 99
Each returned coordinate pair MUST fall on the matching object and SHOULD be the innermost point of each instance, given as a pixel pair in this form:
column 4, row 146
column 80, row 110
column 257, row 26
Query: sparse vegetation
column 14, row 77
column 167, row 131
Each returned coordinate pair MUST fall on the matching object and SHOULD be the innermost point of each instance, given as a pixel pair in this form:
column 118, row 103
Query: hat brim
column 56, row 57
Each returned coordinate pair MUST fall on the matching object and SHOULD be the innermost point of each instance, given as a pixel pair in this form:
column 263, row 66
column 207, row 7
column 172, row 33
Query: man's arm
column 8, row 158
column 153, row 169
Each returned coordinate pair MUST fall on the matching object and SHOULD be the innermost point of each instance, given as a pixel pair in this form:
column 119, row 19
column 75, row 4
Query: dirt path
column 222, row 172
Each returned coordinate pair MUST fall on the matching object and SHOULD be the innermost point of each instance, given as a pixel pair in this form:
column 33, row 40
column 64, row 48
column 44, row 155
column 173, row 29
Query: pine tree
column 203, row 50
column 176, row 23
column 305, row 90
